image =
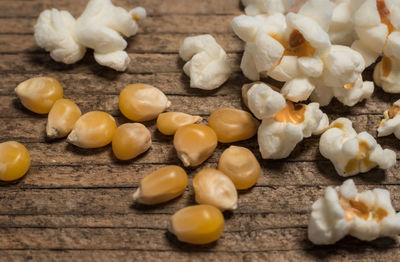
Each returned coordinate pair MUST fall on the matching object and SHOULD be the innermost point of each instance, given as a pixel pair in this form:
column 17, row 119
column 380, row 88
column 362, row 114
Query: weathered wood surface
column 75, row 204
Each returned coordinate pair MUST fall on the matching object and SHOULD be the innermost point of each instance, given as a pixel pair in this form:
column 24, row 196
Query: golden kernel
column 92, row 130
column 198, row 225
column 39, row 94
column 212, row 187
column 241, row 166
column 130, row 140
column 195, row 143
column 141, row 102
column 62, row 118
column 14, row 161
column 232, row 125
column 168, row 123
column 161, row 186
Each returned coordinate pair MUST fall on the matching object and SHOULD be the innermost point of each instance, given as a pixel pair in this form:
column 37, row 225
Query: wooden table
column 75, row 204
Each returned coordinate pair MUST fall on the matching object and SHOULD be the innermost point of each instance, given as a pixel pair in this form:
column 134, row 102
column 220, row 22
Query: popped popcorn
column 387, row 74
column 353, row 153
column 377, row 24
column 255, row 7
column 262, row 100
column 207, row 63
column 343, row 211
column 391, row 123
column 278, row 135
column 296, row 49
column 100, row 27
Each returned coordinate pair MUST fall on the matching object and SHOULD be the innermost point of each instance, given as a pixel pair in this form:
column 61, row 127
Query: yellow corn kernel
column 14, row 161
column 232, row 125
column 168, row 123
column 201, row 224
column 241, row 166
column 141, row 102
column 161, row 186
column 212, row 187
column 92, row 130
column 130, row 140
column 62, row 118
column 194, row 143
column 39, row 94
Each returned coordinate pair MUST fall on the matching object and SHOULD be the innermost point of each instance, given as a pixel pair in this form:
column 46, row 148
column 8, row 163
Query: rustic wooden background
column 75, row 204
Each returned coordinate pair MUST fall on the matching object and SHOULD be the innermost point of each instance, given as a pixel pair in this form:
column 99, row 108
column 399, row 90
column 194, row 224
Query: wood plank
column 99, row 201
column 330, row 253
column 239, row 222
column 112, row 84
column 10, row 106
column 191, row 24
column 33, row 129
column 141, row 63
column 136, row 239
column 140, row 43
column 12, row 8
column 129, row 175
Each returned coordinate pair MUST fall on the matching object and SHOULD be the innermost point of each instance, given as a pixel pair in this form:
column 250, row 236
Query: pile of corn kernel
column 315, row 55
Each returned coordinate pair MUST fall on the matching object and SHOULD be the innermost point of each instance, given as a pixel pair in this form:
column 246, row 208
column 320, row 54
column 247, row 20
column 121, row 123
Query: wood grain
column 75, row 204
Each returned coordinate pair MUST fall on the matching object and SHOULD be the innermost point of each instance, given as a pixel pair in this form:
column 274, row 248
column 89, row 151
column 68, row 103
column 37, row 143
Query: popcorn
column 207, row 64
column 255, row 7
column 296, row 49
column 343, row 211
column 100, row 27
column 391, row 123
column 278, row 135
column 377, row 26
column 352, row 153
column 262, row 100
column 387, row 74
column 53, row 32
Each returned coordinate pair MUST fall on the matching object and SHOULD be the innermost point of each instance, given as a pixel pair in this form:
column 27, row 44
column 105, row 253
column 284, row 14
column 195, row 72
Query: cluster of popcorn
column 101, row 27
column 295, row 48
column 284, row 124
column 343, row 211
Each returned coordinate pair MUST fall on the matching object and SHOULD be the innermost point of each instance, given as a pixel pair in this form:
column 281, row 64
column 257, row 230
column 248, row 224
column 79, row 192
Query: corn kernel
column 62, row 118
column 168, row 123
column 241, row 166
column 130, row 140
column 232, row 125
column 39, row 94
column 201, row 224
column 212, row 187
column 92, row 130
column 141, row 102
column 14, row 161
column 194, row 143
column 161, row 186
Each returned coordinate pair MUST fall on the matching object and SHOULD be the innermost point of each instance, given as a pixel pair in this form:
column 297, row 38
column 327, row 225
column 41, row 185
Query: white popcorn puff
column 100, row 27
column 53, row 32
column 262, row 100
column 255, row 7
column 278, row 135
column 387, row 74
column 377, row 26
column 343, row 211
column 353, row 153
column 207, row 63
column 391, row 123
